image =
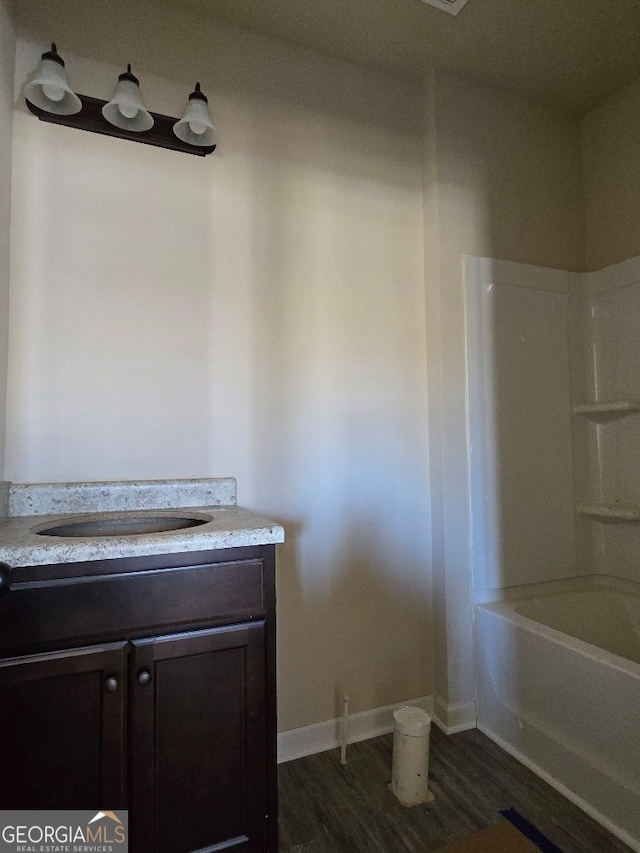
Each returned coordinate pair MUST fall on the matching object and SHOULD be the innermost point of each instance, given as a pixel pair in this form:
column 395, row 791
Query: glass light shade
column 126, row 108
column 49, row 87
column 196, row 126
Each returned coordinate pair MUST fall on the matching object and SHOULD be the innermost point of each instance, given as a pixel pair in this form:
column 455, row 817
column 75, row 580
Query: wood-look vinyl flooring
column 328, row 808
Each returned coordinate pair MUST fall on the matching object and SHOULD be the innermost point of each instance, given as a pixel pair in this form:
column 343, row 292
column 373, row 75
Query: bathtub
column 559, row 687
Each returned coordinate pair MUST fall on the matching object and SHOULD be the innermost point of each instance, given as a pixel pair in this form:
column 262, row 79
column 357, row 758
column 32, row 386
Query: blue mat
column 529, row 831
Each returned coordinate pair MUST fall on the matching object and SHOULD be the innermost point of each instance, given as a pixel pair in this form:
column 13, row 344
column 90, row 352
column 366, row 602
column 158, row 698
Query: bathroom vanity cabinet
column 145, row 683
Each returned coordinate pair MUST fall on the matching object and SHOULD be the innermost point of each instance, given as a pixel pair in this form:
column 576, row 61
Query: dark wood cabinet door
column 197, row 747
column 62, row 729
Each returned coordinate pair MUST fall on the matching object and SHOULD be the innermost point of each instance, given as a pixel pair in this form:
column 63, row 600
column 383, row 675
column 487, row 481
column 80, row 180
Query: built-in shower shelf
column 607, row 411
column 610, row 512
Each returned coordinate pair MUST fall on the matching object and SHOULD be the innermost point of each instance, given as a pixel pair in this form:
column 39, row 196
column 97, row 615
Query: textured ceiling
column 567, row 53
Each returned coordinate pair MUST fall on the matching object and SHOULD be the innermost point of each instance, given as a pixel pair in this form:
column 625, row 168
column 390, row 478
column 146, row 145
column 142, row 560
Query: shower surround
column 553, row 386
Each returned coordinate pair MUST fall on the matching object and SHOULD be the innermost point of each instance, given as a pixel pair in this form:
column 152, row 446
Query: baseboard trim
column 624, row 836
column 454, row 717
column 320, row 737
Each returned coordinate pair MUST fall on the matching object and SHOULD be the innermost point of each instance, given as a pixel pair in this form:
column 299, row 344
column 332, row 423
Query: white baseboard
column 321, row 737
column 631, row 842
column 454, row 717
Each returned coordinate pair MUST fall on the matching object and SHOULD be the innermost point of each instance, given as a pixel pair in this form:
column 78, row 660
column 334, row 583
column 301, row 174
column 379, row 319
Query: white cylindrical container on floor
column 410, row 772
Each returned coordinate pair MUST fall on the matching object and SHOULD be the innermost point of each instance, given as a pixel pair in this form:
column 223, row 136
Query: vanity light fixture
column 49, row 88
column 126, row 108
column 196, row 125
column 50, row 97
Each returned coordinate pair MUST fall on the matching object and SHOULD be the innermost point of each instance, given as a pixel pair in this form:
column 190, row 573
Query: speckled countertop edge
column 4, row 500
column 118, row 495
column 230, row 526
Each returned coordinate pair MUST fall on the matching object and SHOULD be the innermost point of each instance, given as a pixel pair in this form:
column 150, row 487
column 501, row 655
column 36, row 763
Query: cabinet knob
column 144, row 678
column 111, row 685
column 5, row 579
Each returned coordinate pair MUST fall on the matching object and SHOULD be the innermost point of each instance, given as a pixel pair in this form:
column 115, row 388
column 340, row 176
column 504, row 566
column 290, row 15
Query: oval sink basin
column 130, row 526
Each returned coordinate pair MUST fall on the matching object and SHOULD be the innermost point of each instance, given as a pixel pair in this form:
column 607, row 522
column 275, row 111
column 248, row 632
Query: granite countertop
column 30, row 508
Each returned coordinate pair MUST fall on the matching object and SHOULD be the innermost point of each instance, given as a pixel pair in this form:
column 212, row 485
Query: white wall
column 258, row 313
column 506, row 184
column 7, row 64
column 611, row 174
column 262, row 313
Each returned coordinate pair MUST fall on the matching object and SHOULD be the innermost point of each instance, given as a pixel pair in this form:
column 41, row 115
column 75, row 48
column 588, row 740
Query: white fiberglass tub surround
column 553, row 384
column 559, row 687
